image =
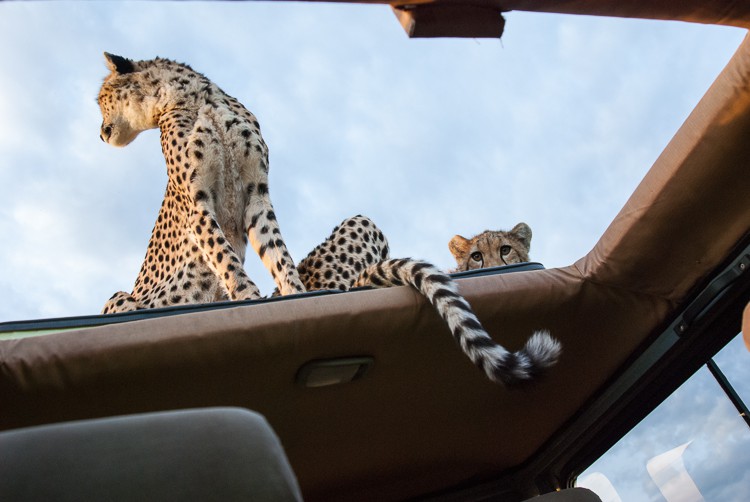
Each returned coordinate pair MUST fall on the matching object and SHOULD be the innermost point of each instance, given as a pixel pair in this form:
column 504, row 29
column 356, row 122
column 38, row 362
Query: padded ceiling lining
column 722, row 12
column 726, row 12
column 423, row 417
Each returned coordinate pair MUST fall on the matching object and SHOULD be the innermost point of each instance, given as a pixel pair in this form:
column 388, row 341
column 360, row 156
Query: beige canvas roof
column 424, row 418
column 481, row 18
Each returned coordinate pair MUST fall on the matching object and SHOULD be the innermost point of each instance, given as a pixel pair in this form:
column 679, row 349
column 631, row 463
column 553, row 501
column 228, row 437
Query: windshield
column 695, row 446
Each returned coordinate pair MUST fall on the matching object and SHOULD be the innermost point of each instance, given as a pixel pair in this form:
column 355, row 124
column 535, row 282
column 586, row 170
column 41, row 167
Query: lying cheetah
column 356, row 254
column 217, row 193
column 491, row 248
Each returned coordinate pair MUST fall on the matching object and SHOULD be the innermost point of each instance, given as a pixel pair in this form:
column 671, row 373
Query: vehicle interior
column 367, row 392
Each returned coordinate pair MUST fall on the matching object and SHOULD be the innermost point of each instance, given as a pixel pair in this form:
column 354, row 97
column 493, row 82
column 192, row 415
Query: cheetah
column 491, row 248
column 357, row 254
column 217, row 192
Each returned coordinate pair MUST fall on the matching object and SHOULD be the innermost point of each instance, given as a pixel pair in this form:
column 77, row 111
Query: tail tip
column 543, row 349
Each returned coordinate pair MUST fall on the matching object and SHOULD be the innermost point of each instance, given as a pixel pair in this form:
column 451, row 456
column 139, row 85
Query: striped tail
column 502, row 366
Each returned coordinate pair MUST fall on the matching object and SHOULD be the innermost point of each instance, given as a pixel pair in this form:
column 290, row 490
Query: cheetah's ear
column 119, row 64
column 459, row 246
column 523, row 232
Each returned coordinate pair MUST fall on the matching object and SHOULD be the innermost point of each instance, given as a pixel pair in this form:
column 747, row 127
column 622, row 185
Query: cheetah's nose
column 106, row 132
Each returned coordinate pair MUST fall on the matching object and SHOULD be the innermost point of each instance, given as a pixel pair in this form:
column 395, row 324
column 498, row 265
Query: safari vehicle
column 365, row 390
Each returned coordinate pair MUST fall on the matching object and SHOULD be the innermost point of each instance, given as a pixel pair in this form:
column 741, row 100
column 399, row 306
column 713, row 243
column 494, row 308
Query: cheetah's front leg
column 219, row 254
column 265, row 237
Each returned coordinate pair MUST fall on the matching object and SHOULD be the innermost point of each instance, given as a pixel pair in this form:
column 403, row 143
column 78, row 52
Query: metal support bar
column 729, row 390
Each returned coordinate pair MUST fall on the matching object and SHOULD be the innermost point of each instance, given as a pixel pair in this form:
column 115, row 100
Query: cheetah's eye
column 505, row 250
column 476, row 256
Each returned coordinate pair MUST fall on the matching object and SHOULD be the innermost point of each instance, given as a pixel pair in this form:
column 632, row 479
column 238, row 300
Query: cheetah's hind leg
column 120, row 302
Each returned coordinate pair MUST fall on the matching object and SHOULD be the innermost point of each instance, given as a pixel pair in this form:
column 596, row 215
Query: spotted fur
column 491, row 248
column 217, row 193
column 356, row 254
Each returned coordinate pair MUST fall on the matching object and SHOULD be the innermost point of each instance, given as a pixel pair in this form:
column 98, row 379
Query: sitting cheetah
column 356, row 254
column 217, row 193
column 491, row 248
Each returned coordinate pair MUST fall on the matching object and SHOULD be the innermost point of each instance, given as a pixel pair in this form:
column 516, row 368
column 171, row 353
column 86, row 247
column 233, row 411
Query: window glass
column 695, row 446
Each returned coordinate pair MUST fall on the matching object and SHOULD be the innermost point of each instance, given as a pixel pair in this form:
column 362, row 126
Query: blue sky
column 555, row 125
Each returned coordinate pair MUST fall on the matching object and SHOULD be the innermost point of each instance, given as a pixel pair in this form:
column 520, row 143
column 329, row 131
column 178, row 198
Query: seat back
column 569, row 495
column 206, row 454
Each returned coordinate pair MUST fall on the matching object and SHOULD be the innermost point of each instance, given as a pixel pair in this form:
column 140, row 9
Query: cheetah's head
column 492, row 248
column 124, row 105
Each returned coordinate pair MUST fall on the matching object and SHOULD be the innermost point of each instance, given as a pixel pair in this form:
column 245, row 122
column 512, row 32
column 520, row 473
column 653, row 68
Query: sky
column 554, row 125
